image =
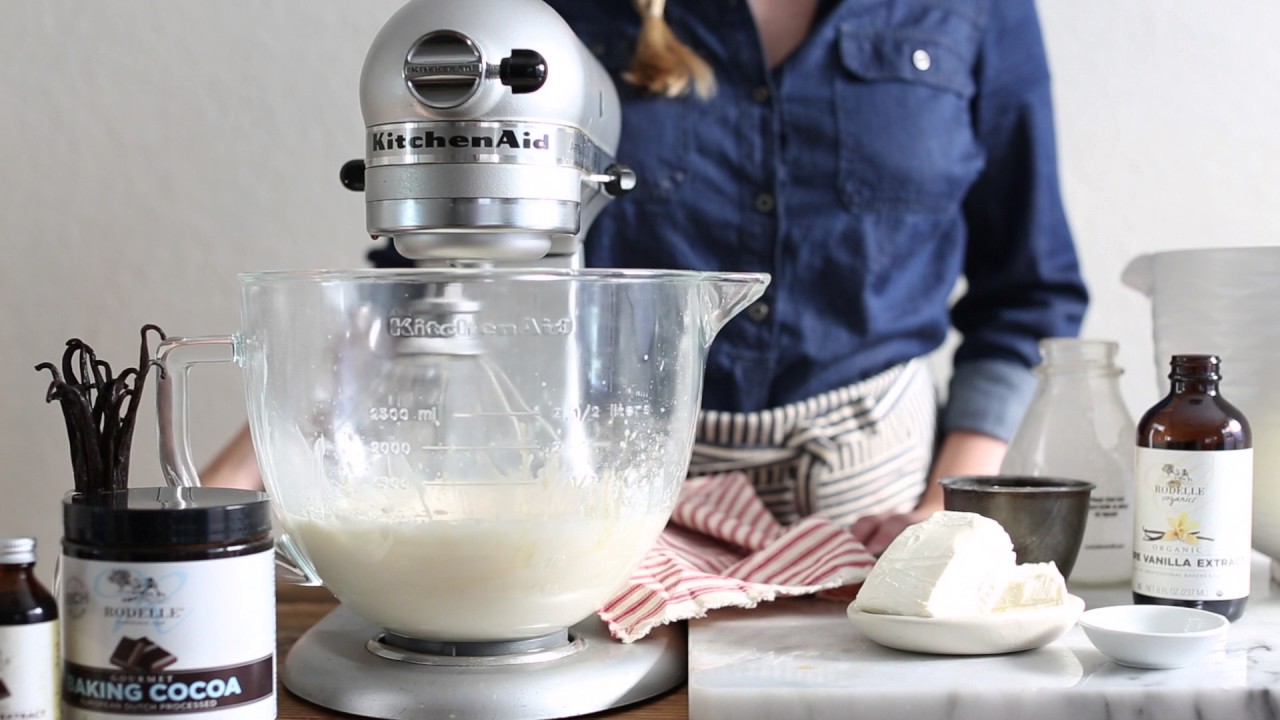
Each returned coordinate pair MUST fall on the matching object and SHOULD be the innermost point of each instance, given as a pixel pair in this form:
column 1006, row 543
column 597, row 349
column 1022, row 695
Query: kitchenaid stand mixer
column 498, row 386
column 474, row 162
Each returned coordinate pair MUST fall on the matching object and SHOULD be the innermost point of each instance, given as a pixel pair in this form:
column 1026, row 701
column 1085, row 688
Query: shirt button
column 921, row 59
column 760, row 94
column 597, row 49
column 758, row 311
column 764, row 203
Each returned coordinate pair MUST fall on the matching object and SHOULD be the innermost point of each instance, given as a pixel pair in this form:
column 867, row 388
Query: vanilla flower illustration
column 1183, row 528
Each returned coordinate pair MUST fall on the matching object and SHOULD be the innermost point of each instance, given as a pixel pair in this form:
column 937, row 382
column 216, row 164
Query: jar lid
column 165, row 516
column 17, row 550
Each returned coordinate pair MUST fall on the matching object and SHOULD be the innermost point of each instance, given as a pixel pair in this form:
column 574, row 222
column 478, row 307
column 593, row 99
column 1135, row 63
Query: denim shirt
column 905, row 144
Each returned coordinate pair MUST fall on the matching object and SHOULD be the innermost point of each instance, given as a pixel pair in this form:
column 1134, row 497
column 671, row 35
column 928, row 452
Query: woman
column 868, row 154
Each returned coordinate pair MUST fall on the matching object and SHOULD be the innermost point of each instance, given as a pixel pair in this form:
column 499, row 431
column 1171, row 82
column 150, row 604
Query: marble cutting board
column 804, row 659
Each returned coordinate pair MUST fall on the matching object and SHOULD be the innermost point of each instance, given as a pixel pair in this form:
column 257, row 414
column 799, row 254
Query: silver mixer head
column 490, row 133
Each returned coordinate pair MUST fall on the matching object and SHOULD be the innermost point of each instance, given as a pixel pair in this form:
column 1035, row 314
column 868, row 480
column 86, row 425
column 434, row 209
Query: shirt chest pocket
column 903, row 103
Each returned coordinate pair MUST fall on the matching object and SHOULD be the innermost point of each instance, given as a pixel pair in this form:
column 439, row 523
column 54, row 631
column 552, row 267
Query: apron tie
column 811, row 457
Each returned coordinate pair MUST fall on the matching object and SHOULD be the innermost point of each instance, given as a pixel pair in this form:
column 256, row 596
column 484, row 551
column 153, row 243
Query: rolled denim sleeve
column 989, row 397
column 1023, row 276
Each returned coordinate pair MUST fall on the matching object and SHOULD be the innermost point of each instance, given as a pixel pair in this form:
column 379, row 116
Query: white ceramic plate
column 1003, row 632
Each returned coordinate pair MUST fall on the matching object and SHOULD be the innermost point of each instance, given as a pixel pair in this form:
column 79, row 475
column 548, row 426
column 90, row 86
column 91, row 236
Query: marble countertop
column 804, row 659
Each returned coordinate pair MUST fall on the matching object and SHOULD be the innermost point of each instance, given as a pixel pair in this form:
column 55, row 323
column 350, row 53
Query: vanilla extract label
column 28, row 681
column 1192, row 535
column 1186, row 562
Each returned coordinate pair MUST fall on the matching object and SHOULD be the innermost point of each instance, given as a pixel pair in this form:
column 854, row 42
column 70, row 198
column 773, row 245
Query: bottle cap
column 166, row 516
column 1194, row 367
column 17, row 550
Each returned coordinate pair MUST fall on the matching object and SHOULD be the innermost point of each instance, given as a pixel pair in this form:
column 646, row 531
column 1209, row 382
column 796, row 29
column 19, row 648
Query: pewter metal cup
column 1044, row 516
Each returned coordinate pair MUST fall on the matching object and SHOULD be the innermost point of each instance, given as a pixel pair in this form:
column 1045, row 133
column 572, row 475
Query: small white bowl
column 1158, row 637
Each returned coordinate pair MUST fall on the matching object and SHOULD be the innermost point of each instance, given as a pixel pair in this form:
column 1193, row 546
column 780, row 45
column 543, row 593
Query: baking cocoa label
column 169, row 638
column 142, row 692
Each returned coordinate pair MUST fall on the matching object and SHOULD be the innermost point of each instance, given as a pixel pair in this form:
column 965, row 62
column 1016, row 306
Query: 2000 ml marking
column 390, row 447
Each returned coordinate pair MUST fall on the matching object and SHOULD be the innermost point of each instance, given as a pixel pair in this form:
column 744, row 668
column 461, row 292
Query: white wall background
column 151, row 149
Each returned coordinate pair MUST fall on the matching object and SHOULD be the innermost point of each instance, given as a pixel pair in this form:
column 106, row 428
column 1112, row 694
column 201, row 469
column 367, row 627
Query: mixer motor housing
column 490, row 133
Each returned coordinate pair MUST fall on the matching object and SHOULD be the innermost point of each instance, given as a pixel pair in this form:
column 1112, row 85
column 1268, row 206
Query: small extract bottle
column 28, row 636
column 1194, row 502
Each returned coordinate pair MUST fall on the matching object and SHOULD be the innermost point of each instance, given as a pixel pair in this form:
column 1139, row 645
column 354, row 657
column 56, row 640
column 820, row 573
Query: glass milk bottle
column 1077, row 426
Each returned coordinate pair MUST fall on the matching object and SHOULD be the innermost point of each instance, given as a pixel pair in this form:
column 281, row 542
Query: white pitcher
column 1226, row 302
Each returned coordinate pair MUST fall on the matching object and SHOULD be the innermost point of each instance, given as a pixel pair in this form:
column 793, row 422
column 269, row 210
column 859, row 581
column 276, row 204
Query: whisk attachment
column 448, row 414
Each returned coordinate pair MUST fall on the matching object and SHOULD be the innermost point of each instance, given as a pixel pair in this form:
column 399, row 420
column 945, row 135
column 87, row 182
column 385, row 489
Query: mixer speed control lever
column 444, row 69
column 523, row 72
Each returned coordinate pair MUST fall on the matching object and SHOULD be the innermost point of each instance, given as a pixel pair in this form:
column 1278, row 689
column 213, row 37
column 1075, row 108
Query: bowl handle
column 175, row 356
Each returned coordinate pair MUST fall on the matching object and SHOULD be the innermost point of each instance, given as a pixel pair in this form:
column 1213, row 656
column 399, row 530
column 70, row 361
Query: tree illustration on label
column 133, row 588
column 1177, row 477
column 4, row 691
column 4, row 665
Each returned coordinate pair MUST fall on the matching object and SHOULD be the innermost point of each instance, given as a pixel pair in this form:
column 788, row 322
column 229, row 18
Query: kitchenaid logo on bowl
column 409, row 326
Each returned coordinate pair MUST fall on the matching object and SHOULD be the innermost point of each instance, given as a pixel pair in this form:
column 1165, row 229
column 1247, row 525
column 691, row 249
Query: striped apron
column 857, row 450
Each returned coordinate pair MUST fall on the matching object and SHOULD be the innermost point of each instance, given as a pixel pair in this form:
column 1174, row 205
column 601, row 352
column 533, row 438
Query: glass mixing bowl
column 466, row 454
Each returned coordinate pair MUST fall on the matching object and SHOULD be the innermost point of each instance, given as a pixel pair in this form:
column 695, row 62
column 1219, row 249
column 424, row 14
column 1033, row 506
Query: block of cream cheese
column 1033, row 585
column 952, row 564
column 956, row 564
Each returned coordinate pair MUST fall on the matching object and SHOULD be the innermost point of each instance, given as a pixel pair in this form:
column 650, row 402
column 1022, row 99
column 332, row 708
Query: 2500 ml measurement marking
column 403, row 414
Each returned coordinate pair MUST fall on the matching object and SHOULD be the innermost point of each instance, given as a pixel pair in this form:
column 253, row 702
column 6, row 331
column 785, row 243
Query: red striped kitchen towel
column 723, row 548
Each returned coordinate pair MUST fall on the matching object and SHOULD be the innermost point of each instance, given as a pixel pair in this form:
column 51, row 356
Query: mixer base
column 330, row 666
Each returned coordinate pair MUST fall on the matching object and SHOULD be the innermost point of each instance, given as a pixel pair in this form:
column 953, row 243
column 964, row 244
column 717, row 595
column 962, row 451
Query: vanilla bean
column 125, row 443
column 85, row 460
column 74, row 437
column 99, row 411
column 103, row 401
column 116, row 442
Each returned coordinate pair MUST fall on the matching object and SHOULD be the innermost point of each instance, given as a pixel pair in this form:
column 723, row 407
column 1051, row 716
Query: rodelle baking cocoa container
column 168, row 604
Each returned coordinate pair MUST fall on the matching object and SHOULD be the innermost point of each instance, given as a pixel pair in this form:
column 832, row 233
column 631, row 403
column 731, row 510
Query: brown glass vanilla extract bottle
column 29, row 637
column 1194, row 501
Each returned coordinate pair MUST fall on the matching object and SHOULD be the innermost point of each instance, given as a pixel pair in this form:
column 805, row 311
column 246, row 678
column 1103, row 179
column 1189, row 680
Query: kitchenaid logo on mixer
column 418, row 327
column 384, row 141
column 456, row 142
